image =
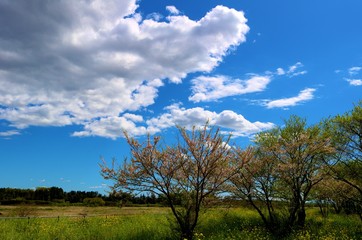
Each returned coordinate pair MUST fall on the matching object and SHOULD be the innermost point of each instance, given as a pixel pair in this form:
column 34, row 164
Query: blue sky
column 74, row 74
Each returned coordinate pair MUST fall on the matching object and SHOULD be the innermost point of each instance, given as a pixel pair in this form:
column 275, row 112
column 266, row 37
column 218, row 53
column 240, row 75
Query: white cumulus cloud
column 88, row 62
column 227, row 119
column 175, row 115
column 111, row 127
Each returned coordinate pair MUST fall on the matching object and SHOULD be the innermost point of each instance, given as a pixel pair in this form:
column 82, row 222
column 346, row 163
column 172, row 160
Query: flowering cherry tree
column 196, row 168
column 256, row 183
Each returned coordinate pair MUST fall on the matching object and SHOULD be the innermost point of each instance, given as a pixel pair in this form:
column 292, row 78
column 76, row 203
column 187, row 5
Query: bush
column 24, row 211
column 94, row 202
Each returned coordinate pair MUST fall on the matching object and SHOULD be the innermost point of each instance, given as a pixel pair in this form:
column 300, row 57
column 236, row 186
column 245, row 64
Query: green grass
column 125, row 227
column 153, row 223
column 242, row 223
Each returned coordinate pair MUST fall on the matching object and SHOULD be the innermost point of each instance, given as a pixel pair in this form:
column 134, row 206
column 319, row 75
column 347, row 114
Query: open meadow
column 85, row 223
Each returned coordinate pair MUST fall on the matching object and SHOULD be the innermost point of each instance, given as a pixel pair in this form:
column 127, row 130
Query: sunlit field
column 154, row 223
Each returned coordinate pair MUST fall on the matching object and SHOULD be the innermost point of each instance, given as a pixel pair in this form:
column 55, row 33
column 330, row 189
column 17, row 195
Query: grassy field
column 54, row 211
column 153, row 223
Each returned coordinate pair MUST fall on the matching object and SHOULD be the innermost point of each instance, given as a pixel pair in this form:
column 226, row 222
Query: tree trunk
column 265, row 220
column 187, row 235
column 187, row 232
column 301, row 217
column 292, row 214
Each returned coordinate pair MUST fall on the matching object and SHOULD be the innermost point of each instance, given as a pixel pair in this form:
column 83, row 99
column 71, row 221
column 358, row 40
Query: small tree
column 191, row 171
column 287, row 164
column 334, row 193
column 255, row 183
column 94, row 202
column 346, row 132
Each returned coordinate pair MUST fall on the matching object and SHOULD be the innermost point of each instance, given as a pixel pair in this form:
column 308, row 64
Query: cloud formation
column 354, row 70
column 292, row 71
column 9, row 133
column 213, row 88
column 355, row 82
column 228, row 120
column 304, row 95
column 172, row 10
column 89, row 62
column 354, row 73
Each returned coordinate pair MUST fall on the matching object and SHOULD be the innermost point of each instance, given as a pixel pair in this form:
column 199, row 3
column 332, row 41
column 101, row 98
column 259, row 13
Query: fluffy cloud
column 88, row 62
column 304, row 95
column 112, row 127
column 355, row 82
column 239, row 125
column 226, row 119
column 213, row 88
column 353, row 71
column 353, row 75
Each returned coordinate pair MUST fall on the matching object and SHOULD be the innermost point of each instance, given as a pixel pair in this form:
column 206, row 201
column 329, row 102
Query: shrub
column 94, row 202
column 23, row 211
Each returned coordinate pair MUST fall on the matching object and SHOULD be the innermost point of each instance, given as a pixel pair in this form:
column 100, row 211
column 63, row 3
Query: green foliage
column 346, row 131
column 287, row 164
column 346, row 166
column 94, row 202
column 43, row 196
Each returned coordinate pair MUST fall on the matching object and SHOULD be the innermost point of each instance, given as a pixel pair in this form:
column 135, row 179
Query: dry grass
column 55, row 211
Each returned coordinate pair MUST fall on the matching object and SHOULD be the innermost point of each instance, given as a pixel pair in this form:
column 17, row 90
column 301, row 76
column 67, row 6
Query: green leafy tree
column 346, row 166
column 56, row 193
column 287, row 164
column 346, row 131
column 42, row 193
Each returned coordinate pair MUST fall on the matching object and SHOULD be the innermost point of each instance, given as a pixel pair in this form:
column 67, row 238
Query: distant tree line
column 43, row 195
column 56, row 195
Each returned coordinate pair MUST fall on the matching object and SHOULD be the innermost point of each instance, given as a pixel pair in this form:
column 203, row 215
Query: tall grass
column 125, row 227
column 218, row 223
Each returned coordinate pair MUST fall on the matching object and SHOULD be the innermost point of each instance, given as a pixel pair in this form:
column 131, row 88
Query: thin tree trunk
column 265, row 220
column 301, row 217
